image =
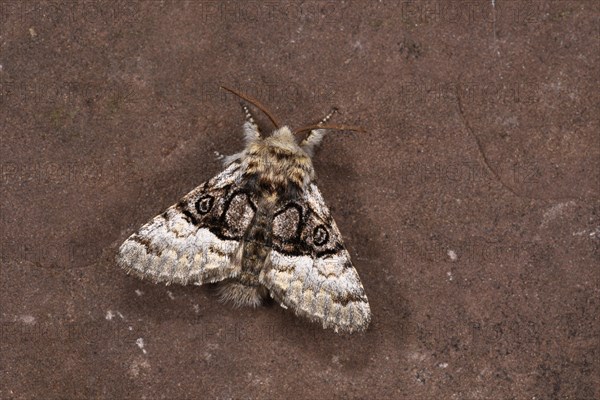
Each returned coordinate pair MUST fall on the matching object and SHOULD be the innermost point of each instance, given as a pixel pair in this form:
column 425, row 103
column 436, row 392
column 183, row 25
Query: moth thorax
column 277, row 168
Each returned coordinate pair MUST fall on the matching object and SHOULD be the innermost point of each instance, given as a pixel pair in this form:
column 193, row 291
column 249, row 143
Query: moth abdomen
column 257, row 240
column 241, row 293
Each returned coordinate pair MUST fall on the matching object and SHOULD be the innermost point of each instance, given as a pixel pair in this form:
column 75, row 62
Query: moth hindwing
column 261, row 228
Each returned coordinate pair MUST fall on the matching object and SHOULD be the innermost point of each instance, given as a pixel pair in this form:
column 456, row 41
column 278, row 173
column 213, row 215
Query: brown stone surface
column 482, row 146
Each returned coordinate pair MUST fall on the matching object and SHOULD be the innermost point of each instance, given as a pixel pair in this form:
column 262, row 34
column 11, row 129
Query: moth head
column 283, row 138
column 283, row 134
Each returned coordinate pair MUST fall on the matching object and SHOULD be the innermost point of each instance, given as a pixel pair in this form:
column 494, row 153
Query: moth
column 261, row 229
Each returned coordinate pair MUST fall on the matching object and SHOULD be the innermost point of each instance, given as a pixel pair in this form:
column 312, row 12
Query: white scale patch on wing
column 173, row 250
column 327, row 289
column 228, row 176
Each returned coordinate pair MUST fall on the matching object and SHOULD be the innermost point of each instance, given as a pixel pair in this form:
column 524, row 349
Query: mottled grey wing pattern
column 309, row 270
column 195, row 240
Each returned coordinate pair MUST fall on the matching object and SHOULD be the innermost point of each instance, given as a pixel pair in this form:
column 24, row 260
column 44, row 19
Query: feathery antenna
column 255, row 103
column 332, row 127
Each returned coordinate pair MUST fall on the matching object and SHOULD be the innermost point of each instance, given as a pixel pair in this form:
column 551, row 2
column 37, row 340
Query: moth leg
column 315, row 136
column 251, row 131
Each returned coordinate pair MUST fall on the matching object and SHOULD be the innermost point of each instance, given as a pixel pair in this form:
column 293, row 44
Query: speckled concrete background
column 470, row 207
